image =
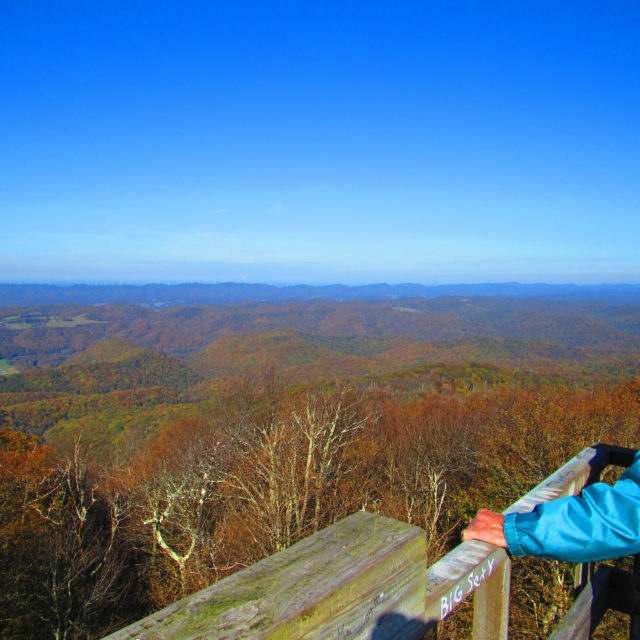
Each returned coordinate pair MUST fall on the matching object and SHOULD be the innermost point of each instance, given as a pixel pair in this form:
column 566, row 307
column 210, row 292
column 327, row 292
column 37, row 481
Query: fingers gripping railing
column 477, row 566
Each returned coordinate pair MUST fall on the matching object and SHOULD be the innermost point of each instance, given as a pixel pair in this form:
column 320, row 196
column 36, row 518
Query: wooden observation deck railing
column 364, row 578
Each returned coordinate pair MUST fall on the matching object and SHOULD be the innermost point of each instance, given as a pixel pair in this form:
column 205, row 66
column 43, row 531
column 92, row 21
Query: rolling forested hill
column 37, row 337
column 110, row 368
column 134, row 370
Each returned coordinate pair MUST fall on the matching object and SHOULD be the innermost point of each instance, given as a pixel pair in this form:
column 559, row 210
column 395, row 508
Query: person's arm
column 602, row 523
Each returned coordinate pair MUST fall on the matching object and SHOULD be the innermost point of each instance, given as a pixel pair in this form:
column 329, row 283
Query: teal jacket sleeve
column 603, row 522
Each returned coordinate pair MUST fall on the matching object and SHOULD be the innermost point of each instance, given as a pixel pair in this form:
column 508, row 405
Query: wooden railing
column 364, row 578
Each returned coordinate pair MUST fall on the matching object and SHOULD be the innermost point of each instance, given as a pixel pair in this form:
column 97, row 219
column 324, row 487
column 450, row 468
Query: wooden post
column 587, row 611
column 362, row 578
column 464, row 569
column 491, row 605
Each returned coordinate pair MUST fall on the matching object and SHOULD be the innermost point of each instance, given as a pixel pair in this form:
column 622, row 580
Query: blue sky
column 352, row 142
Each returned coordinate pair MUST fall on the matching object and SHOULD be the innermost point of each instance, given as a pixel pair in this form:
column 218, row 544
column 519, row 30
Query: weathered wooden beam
column 362, row 578
column 464, row 569
column 568, row 480
column 457, row 575
column 587, row 610
column 491, row 605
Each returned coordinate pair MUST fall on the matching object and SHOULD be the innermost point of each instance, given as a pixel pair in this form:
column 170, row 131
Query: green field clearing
column 25, row 322
column 6, row 368
column 72, row 322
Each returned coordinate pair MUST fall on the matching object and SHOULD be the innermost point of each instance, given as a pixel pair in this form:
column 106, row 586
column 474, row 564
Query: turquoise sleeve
column 603, row 522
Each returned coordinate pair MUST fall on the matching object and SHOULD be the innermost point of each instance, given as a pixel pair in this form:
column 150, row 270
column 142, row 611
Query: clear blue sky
column 330, row 141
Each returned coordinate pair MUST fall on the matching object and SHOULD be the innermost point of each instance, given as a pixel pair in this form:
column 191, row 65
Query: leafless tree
column 178, row 504
column 291, row 468
column 417, row 476
column 83, row 563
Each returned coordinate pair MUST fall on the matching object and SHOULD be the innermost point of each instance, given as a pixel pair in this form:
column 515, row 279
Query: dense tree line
column 37, row 415
column 147, row 369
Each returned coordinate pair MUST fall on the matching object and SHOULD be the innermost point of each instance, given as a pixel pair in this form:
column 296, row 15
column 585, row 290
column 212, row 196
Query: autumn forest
column 148, row 450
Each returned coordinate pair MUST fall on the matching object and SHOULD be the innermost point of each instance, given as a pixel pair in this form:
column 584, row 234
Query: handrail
column 362, row 579
column 472, row 564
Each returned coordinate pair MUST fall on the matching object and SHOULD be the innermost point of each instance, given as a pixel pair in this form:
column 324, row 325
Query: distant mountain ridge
column 229, row 292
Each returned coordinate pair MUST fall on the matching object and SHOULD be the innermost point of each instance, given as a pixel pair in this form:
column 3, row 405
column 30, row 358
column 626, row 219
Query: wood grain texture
column 362, row 578
column 491, row 605
column 587, row 610
column 460, row 572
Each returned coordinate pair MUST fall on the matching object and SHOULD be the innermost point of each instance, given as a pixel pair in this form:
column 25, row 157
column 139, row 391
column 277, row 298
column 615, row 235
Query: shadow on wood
column 395, row 626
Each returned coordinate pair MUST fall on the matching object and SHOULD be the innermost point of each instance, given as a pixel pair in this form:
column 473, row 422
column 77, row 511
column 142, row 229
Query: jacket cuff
column 511, row 535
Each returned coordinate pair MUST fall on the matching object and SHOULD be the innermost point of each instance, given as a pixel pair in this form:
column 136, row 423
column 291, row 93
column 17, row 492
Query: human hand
column 487, row 526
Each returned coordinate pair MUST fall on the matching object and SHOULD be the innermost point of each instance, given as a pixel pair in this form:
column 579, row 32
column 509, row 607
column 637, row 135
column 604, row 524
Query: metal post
column 582, row 573
column 634, row 625
column 491, row 605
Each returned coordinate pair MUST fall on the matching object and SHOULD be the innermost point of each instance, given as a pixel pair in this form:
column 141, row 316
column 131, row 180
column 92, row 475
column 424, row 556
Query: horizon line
column 282, row 285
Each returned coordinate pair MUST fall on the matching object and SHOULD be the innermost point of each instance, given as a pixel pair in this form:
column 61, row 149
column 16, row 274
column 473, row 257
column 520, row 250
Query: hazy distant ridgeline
column 195, row 293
